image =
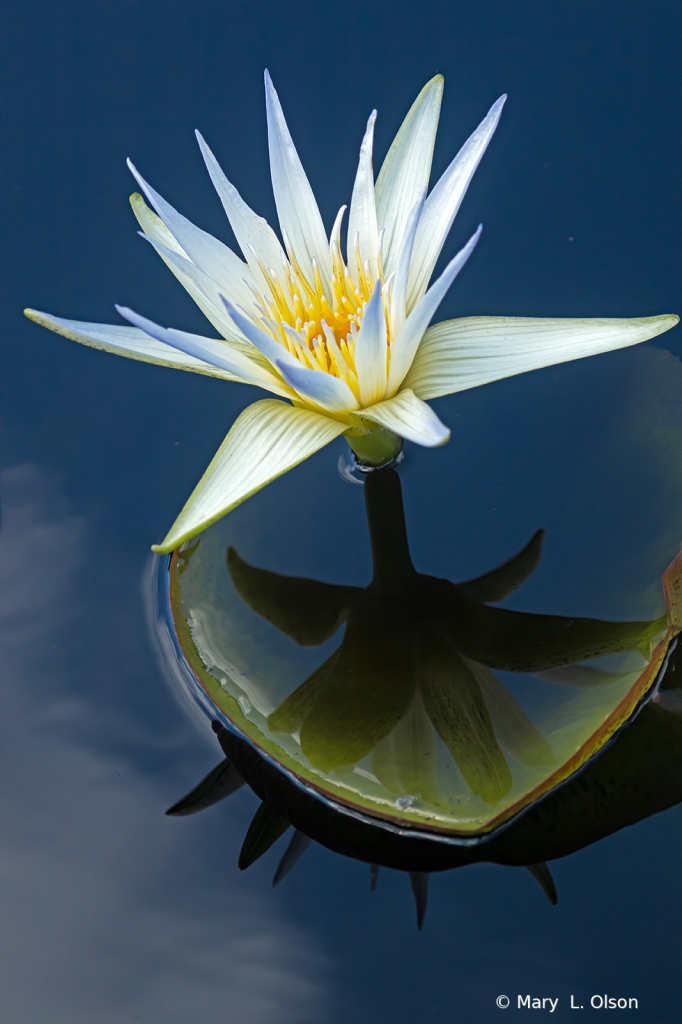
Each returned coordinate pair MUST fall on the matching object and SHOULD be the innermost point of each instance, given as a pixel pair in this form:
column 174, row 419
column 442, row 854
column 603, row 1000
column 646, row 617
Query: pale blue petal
column 370, row 350
column 211, row 255
column 217, row 353
column 444, row 202
column 327, row 391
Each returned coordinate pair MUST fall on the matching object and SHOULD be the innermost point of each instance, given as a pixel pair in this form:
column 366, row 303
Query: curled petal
column 409, row 417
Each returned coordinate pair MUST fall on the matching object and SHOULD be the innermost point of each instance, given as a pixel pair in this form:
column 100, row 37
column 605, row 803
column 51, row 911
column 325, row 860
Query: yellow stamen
column 320, row 330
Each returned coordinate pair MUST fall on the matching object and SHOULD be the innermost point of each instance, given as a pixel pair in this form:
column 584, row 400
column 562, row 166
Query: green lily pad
column 408, row 721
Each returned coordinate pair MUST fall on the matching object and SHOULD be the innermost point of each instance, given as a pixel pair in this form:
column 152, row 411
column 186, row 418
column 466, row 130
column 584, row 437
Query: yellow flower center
column 319, row 330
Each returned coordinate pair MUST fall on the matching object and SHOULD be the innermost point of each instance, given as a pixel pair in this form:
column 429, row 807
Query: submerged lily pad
column 406, row 721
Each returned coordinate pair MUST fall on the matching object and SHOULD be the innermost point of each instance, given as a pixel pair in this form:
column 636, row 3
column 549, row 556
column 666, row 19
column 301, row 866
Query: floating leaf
column 407, row 722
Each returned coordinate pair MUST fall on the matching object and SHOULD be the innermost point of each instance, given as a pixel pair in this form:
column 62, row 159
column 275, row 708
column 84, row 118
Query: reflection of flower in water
column 347, row 345
column 416, row 656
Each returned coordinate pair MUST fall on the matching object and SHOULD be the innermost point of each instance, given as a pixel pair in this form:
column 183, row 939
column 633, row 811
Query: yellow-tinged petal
column 268, row 438
column 408, row 417
column 460, row 354
column 126, row 341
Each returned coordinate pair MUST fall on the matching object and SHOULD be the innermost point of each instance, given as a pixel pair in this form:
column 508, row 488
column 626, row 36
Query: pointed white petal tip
column 267, row 440
column 459, row 354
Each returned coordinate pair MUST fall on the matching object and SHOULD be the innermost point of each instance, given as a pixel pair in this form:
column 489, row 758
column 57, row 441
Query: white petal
column 249, row 228
column 404, row 175
column 407, row 342
column 268, row 438
column 317, row 386
column 370, row 350
column 187, row 273
column 153, row 226
column 409, row 417
column 217, row 353
column 296, row 206
column 264, row 342
column 209, row 254
column 125, row 341
column 445, row 200
column 204, row 290
column 466, row 353
column 399, row 293
column 208, row 298
column 335, row 236
column 362, row 219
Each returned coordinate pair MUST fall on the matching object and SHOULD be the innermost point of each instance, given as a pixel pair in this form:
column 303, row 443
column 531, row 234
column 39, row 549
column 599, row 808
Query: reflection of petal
column 265, row 829
column 306, row 610
column 419, row 881
column 290, row 716
column 369, row 692
column 501, row 582
column 524, row 642
column 298, row 844
column 513, row 728
column 582, row 677
column 405, row 760
column 454, row 703
column 221, row 782
column 543, row 876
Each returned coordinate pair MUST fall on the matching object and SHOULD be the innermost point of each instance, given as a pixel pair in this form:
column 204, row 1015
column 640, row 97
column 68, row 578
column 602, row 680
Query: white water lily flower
column 346, row 344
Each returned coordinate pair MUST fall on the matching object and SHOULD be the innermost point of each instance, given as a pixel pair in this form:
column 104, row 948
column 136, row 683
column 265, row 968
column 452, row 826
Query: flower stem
column 393, row 567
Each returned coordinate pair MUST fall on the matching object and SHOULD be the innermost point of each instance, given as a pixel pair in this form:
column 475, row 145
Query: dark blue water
column 113, row 912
